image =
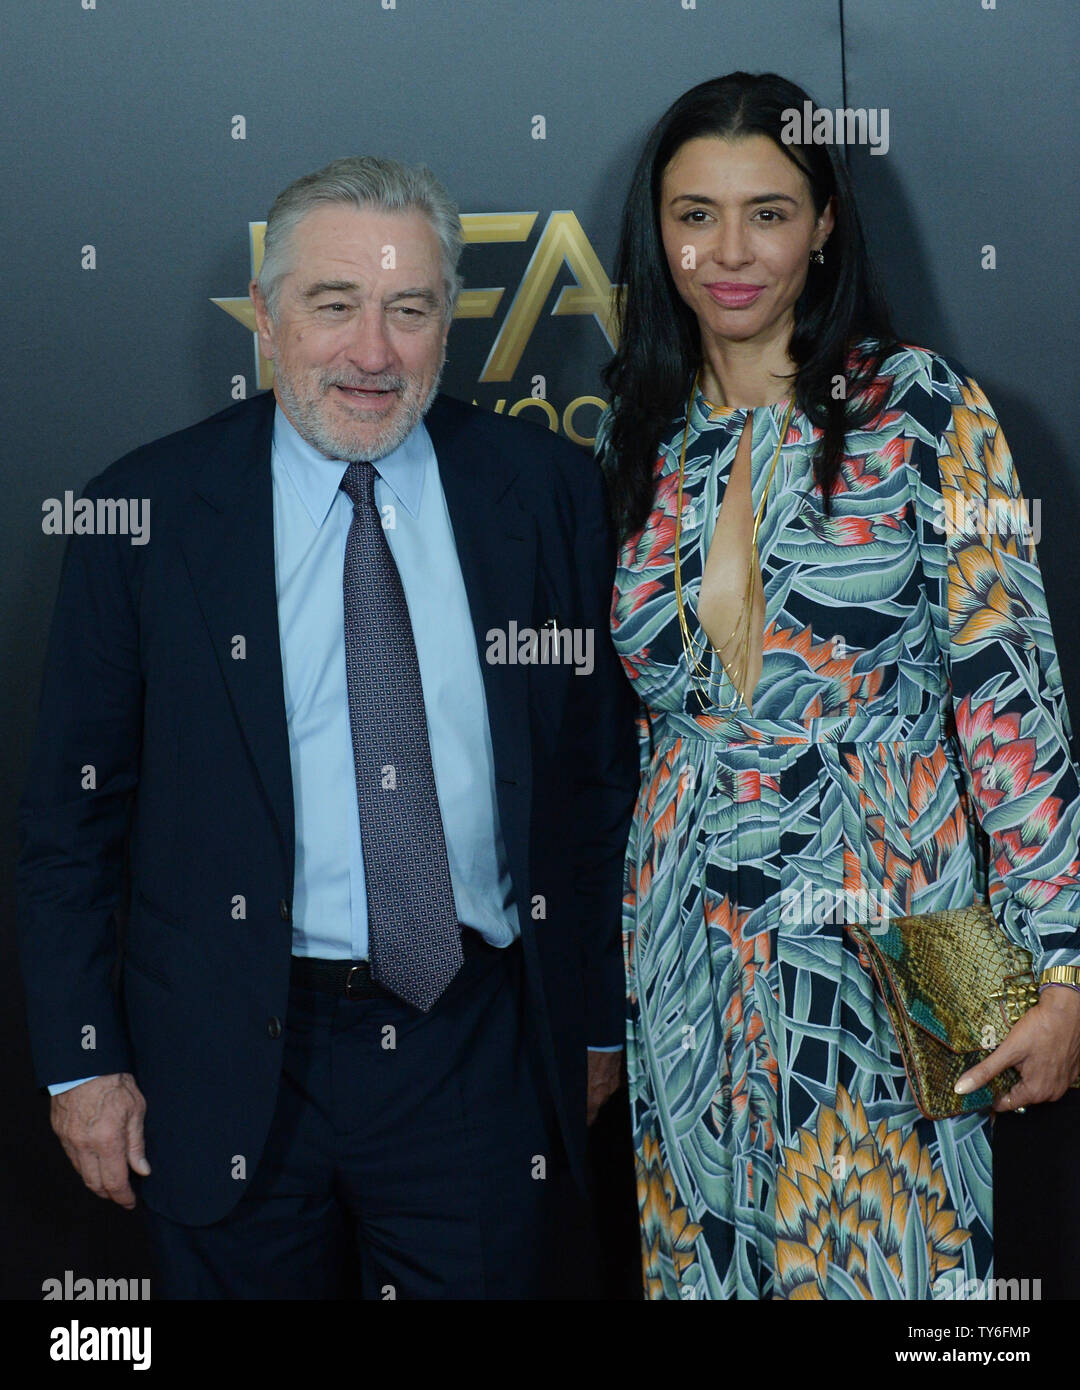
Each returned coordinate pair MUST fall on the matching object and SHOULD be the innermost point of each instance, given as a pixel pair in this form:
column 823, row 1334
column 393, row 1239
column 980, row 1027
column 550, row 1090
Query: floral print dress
column 909, row 676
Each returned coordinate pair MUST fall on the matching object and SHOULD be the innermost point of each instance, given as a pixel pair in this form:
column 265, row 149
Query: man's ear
column 263, row 322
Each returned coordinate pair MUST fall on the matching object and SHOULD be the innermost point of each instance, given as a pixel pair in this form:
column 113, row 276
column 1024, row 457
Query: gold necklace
column 695, row 668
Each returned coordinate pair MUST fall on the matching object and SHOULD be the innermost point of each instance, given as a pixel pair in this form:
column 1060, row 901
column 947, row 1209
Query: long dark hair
column 659, row 340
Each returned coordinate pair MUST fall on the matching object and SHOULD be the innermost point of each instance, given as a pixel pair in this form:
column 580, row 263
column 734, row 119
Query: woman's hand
column 1044, row 1046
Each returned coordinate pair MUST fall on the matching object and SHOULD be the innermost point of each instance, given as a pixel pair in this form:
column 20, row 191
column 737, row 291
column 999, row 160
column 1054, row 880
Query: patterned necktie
column 413, row 931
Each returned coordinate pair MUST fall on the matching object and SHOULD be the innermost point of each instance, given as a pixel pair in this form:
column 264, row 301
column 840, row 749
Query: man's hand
column 100, row 1125
column 607, row 1072
column 1044, row 1046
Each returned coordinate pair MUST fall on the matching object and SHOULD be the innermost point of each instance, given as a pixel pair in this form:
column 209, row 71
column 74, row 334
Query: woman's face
column 738, row 226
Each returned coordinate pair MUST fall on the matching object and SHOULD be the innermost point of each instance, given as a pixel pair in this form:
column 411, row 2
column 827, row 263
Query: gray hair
column 364, row 181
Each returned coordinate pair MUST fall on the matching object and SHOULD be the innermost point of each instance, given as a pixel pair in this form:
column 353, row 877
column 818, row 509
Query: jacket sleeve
column 74, row 814
column 978, row 535
column 606, row 768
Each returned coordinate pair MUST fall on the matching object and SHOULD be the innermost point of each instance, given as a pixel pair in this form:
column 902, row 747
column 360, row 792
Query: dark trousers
column 410, row 1156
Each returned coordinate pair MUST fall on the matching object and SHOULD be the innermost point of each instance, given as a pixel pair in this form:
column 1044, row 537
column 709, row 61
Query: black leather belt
column 352, row 978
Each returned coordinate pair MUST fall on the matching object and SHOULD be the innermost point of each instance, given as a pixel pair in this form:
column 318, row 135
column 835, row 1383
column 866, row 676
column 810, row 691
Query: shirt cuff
column 60, row 1086
column 618, row 1047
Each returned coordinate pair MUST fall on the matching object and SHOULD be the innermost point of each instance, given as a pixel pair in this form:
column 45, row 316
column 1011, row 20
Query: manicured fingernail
column 962, row 1087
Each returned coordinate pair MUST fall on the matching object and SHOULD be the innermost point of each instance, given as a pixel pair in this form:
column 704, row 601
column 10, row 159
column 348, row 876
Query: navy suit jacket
column 159, row 792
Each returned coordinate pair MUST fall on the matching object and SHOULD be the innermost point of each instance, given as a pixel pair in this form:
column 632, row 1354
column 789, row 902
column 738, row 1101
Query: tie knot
column 358, row 484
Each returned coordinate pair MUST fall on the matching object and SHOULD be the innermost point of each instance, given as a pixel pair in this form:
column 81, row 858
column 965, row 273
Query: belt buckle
column 349, row 981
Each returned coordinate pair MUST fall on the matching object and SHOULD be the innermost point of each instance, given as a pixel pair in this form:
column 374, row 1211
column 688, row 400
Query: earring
column 818, row 256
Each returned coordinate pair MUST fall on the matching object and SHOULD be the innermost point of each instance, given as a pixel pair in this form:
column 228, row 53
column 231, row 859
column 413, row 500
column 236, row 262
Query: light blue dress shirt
column 311, row 524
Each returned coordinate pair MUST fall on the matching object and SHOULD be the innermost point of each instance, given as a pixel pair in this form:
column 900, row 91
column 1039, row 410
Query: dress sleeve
column 977, row 534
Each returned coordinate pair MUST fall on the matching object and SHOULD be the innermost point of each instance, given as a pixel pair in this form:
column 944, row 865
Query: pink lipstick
column 732, row 295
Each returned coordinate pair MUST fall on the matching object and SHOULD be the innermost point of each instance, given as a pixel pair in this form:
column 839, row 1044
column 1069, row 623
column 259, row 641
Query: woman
column 794, row 605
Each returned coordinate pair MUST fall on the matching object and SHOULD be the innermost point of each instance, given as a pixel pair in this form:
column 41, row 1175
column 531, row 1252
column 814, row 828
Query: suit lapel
column 496, row 546
column 228, row 541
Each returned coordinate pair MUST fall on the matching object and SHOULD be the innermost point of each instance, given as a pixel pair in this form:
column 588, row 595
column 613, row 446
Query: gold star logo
column 244, row 311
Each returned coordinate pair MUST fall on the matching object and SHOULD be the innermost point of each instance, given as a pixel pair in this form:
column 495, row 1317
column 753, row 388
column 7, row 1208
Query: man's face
column 359, row 338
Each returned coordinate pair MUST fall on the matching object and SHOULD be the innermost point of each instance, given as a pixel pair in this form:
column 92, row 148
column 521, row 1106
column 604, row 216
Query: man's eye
column 408, row 311
column 333, row 308
column 771, row 213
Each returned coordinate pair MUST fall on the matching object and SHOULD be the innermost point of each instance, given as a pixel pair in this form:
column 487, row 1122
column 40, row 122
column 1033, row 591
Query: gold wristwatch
column 1061, row 975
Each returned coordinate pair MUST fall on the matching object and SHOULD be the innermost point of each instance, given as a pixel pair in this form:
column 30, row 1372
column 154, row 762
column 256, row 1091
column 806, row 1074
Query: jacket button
column 273, row 1028
column 283, row 908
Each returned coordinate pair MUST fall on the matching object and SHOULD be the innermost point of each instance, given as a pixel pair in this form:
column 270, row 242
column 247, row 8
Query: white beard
column 338, row 441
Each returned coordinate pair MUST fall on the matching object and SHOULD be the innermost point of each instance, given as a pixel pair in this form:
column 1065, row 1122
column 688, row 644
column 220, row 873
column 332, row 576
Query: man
column 372, row 882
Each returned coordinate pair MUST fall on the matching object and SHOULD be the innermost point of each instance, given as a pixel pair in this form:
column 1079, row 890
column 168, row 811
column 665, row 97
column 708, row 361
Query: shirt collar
column 318, row 478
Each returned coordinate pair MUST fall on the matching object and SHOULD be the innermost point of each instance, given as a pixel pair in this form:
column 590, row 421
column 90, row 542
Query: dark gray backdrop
column 119, row 122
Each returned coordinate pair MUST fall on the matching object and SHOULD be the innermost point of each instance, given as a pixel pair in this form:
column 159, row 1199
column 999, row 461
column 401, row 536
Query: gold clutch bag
column 954, row 984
